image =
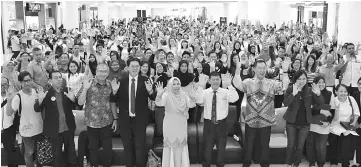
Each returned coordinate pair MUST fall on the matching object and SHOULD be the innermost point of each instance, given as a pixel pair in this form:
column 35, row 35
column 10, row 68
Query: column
column 103, row 12
column 331, row 19
column 242, row 10
column 349, row 22
column 5, row 27
column 70, row 14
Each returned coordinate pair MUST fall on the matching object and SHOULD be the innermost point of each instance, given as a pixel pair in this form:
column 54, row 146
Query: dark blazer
column 292, row 102
column 51, row 118
column 356, row 95
column 141, row 102
column 219, row 68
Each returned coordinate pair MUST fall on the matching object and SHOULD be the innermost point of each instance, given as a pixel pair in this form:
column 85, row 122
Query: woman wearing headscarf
column 115, row 72
column 11, row 74
column 176, row 103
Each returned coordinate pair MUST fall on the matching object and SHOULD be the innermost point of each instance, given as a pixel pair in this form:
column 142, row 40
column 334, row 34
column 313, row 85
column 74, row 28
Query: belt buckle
column 216, row 122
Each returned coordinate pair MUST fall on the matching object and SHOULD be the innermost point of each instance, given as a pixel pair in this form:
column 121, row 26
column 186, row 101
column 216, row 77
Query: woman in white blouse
column 340, row 138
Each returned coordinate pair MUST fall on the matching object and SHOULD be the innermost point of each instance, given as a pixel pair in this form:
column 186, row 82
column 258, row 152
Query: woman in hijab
column 185, row 76
column 11, row 74
column 177, row 104
column 114, row 70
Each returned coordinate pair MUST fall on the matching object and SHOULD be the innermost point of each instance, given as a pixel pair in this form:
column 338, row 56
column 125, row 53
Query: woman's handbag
column 44, row 150
column 347, row 125
column 153, row 160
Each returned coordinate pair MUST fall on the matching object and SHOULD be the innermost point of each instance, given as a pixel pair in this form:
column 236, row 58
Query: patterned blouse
column 97, row 106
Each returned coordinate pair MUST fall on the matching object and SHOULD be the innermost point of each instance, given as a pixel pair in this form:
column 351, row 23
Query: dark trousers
column 264, row 135
column 8, row 137
column 67, row 139
column 341, row 149
column 296, row 138
column 135, row 148
column 103, row 135
column 316, row 148
column 214, row 134
column 15, row 55
column 278, row 101
column 357, row 140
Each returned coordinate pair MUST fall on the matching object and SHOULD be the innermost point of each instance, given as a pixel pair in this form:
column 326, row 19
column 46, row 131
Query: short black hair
column 341, row 85
column 36, row 49
column 215, row 74
column 259, row 61
column 298, row 74
column 359, row 80
column 52, row 72
column 22, row 75
column 131, row 59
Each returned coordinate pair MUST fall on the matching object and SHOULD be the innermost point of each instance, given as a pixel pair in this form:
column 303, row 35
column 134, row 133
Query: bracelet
column 115, row 119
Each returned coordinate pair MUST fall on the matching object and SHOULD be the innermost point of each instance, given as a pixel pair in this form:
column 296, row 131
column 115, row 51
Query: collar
column 96, row 81
column 136, row 78
column 258, row 80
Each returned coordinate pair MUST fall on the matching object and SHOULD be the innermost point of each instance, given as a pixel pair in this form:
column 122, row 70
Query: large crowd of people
column 121, row 73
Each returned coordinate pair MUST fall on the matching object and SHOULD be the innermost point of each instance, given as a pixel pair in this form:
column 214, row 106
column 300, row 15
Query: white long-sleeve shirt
column 224, row 97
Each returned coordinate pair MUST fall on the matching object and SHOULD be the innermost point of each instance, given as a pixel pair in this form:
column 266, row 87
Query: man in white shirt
column 215, row 131
column 8, row 131
column 15, row 45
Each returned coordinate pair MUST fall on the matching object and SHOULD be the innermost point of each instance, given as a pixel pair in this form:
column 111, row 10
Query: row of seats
column 154, row 138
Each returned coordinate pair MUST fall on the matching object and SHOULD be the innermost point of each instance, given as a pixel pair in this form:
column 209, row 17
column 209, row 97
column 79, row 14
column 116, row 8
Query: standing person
column 176, row 103
column 319, row 131
column 31, row 122
column 260, row 111
column 299, row 98
column 15, row 45
column 100, row 119
column 8, row 129
column 59, row 122
column 36, row 68
column 357, row 96
column 133, row 115
column 216, row 102
column 341, row 138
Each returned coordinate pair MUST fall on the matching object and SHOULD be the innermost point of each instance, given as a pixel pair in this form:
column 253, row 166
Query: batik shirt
column 97, row 106
column 260, row 111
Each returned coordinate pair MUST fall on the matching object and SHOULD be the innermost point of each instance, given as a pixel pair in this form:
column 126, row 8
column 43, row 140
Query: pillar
column 70, row 14
column 349, row 22
column 5, row 24
column 103, row 12
column 242, row 11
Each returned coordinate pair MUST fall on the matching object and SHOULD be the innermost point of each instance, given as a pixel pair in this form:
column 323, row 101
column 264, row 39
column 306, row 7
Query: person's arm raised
column 237, row 81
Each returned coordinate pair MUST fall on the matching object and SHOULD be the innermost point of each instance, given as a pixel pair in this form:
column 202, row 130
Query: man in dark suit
column 59, row 122
column 213, row 65
column 357, row 96
column 132, row 97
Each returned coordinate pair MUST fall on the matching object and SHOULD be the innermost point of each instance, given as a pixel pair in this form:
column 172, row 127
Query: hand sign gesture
column 149, row 85
column 87, row 84
column 159, row 87
column 316, row 89
column 115, row 85
column 226, row 80
column 41, row 93
column 295, row 89
column 70, row 94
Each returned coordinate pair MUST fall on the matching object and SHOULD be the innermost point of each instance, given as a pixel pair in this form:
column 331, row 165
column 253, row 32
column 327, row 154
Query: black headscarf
column 185, row 78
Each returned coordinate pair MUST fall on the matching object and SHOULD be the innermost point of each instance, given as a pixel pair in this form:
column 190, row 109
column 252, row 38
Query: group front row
column 312, row 112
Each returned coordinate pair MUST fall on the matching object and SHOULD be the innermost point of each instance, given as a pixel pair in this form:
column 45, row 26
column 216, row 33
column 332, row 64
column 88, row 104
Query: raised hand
column 70, row 94
column 115, row 85
column 295, row 89
column 41, row 93
column 159, row 88
column 149, row 85
column 226, row 80
column 316, row 89
column 87, row 84
column 10, row 93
